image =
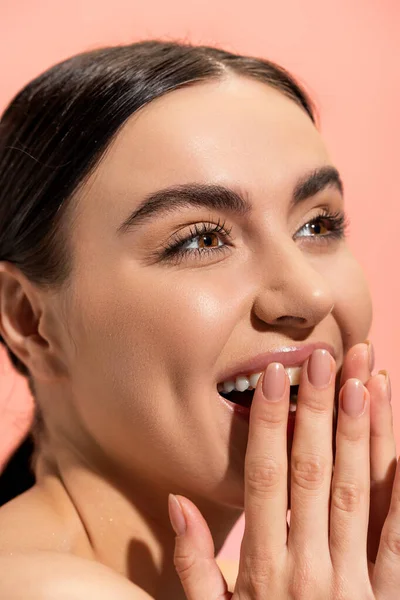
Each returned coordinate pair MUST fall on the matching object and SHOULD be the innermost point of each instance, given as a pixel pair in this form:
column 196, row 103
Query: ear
column 22, row 311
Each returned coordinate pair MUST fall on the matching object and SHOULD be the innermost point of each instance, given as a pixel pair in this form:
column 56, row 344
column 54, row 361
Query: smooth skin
column 127, row 356
column 322, row 555
column 50, row 575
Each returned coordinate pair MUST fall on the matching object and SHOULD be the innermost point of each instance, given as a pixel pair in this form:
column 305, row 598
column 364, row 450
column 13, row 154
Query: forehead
column 234, row 132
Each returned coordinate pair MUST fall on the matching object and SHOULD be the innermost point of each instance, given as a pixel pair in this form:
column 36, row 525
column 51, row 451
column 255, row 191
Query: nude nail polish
column 319, row 368
column 352, row 398
column 274, row 382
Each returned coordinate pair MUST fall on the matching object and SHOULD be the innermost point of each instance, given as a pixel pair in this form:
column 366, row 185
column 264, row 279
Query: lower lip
column 244, row 413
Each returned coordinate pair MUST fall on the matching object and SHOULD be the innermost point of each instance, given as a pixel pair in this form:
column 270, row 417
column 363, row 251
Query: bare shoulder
column 45, row 575
column 37, row 559
column 29, row 523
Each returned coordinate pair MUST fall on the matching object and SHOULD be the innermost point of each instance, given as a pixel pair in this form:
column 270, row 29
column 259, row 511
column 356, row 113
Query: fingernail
column 388, row 384
column 274, row 382
column 176, row 515
column 353, row 398
column 371, row 354
column 319, row 368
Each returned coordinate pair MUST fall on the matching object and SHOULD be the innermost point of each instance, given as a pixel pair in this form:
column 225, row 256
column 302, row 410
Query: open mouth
column 245, row 398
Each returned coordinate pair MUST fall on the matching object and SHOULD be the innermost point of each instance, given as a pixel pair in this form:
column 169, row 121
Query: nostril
column 289, row 319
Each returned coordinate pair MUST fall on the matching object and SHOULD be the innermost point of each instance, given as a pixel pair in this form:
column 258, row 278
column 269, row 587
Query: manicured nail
column 176, row 515
column 353, row 398
column 371, row 354
column 388, row 384
column 319, row 368
column 274, row 382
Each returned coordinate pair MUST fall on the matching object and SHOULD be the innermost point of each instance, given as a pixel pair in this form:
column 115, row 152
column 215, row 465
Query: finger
column 351, row 480
column 358, row 363
column 383, row 457
column 386, row 575
column 265, row 533
column 383, row 445
column 194, row 554
column 311, row 458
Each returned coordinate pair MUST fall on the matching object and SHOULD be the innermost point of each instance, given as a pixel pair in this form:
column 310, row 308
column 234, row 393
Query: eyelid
column 338, row 219
column 172, row 251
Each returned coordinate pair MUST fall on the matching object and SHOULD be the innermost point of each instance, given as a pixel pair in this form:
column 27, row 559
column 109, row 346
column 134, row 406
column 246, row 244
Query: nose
column 294, row 293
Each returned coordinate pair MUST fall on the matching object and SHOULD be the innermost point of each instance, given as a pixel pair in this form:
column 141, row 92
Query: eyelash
column 174, row 251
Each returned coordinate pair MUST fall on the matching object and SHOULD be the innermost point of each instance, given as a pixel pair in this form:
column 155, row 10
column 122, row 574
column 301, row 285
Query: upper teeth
column 242, row 383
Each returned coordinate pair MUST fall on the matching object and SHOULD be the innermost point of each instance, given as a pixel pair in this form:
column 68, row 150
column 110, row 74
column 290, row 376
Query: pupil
column 207, row 237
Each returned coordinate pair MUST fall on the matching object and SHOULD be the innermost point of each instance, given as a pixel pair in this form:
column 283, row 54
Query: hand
column 323, row 555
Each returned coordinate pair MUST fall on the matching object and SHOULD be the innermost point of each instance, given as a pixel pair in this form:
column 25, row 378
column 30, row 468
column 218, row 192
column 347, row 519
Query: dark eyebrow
column 315, row 182
column 220, row 198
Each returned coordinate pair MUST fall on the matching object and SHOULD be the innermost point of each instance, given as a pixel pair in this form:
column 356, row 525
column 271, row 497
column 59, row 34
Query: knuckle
column 258, row 573
column 307, row 571
column 316, row 403
column 391, row 541
column 268, row 418
column 346, row 496
column 353, row 435
column 263, row 475
column 308, row 470
column 340, row 587
column 184, row 562
column 303, row 584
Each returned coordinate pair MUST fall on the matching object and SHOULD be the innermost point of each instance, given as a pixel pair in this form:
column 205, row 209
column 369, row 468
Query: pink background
column 347, row 52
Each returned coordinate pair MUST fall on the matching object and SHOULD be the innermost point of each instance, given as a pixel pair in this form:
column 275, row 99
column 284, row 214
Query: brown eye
column 323, row 226
column 317, row 227
column 203, row 239
column 210, row 240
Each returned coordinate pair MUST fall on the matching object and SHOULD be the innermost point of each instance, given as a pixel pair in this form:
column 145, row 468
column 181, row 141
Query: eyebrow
column 220, row 198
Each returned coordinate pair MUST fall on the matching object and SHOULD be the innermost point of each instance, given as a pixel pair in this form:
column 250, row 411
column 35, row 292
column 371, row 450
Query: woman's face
column 148, row 333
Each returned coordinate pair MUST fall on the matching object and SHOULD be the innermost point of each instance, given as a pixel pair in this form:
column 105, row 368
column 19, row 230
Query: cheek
column 177, row 324
column 198, row 314
column 353, row 306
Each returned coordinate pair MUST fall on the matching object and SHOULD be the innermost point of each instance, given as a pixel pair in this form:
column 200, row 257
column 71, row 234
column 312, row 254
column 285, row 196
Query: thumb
column 194, row 558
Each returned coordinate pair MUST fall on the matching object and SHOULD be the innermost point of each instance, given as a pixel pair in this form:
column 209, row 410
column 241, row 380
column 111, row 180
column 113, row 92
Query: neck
column 123, row 522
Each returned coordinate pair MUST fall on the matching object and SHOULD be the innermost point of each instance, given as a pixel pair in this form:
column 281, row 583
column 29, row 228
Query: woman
column 172, row 234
